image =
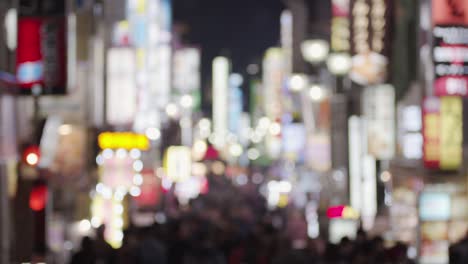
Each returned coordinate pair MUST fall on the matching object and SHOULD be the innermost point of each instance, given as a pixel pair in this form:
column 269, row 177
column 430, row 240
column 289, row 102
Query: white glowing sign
column 121, row 96
column 220, row 98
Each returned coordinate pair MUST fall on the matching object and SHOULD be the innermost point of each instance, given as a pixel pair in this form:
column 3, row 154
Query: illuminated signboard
column 369, row 27
column 124, row 140
column 342, row 211
column 41, row 51
column 178, row 163
column 442, row 131
column 220, row 98
column 430, row 200
column 379, row 111
column 121, row 94
column 450, row 51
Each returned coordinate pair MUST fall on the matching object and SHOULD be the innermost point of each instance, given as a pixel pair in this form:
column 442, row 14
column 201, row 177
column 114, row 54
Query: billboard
column 442, row 132
column 41, row 51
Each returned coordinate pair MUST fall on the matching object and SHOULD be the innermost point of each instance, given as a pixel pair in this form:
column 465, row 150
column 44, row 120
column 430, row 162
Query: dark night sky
column 241, row 29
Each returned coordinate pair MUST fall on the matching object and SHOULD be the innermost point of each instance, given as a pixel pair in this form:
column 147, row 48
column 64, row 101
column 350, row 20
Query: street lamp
column 298, row 82
column 316, row 92
column 339, row 63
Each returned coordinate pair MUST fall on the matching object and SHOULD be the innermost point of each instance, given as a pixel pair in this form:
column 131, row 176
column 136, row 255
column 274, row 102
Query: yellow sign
column 451, row 136
column 123, row 140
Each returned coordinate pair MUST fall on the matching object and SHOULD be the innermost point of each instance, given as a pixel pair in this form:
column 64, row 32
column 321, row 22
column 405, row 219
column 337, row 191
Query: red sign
column 41, row 51
column 431, row 133
column 450, row 12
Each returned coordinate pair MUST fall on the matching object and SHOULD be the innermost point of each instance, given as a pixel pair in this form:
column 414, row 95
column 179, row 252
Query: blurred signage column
column 220, row 100
column 273, row 72
column 121, row 97
column 379, row 111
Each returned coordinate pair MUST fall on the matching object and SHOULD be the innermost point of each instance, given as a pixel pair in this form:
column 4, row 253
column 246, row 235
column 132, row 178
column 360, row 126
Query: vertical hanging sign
column 370, row 28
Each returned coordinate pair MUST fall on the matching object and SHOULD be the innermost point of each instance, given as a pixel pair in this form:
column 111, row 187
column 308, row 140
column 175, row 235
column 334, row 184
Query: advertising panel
column 370, row 33
column 450, row 47
column 443, row 132
column 121, row 94
column 178, row 163
column 379, row 111
column 41, row 51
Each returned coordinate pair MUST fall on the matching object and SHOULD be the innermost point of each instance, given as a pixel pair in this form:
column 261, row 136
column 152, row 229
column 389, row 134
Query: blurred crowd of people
column 231, row 225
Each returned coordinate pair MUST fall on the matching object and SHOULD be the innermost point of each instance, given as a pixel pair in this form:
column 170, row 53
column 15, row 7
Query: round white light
column 186, row 101
column 85, row 226
column 95, row 222
column 135, row 191
column 138, row 179
column 315, row 50
column 107, row 153
column 253, row 154
column 119, row 209
column 316, row 92
column 297, row 82
column 138, row 165
column 153, row 133
column 172, row 110
column 339, row 63
column 264, row 123
column 135, row 153
column 275, row 129
column 121, row 153
column 385, row 176
column 32, row 159
column 235, row 150
column 99, row 160
column 65, row 130
column 204, row 123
